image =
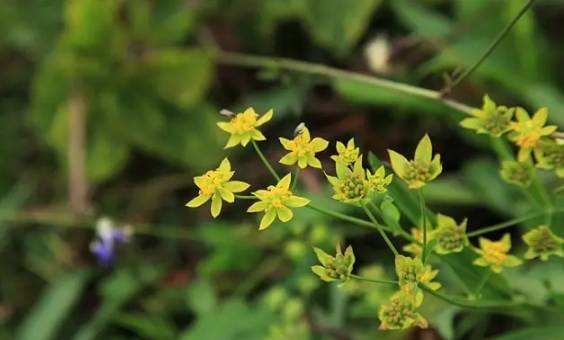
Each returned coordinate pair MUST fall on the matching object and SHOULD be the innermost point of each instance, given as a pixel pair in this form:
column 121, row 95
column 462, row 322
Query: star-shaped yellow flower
column 347, row 154
column 303, row 149
column 528, row 131
column 216, row 184
column 277, row 201
column 494, row 254
column 243, row 127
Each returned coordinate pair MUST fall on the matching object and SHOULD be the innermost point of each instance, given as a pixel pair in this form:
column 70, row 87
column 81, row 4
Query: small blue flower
column 108, row 236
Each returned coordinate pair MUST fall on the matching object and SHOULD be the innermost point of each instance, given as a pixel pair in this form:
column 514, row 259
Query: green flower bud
column 490, row 119
column 542, row 243
column 334, row 268
column 450, row 237
column 400, row 313
column 517, row 173
column 550, row 155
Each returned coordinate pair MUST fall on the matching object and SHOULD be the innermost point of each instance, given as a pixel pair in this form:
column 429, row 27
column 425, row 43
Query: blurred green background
column 131, row 88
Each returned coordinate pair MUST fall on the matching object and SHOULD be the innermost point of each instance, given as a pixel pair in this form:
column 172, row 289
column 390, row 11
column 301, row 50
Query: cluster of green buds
column 411, row 273
column 400, row 312
column 518, row 173
column 352, row 183
column 334, row 268
column 450, row 236
column 529, row 133
column 542, row 243
column 422, row 169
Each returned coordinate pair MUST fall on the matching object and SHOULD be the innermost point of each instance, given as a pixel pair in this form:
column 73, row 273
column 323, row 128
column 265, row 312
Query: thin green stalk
column 546, row 202
column 265, row 161
column 380, row 230
column 510, row 223
column 472, row 304
column 361, row 278
column 482, row 282
column 245, row 197
column 490, row 48
column 379, row 211
column 423, row 223
column 340, row 216
column 502, row 149
column 295, row 178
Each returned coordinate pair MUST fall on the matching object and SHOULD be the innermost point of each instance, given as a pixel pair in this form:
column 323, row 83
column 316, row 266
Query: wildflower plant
column 433, row 237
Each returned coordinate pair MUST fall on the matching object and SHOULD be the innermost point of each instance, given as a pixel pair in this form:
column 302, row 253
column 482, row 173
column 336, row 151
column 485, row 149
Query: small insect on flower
column 542, row 243
column 517, row 173
column 243, row 127
column 334, row 268
column 527, row 131
column 216, row 184
column 277, row 201
column 350, row 185
column 450, row 236
column 411, row 272
column 108, row 237
column 303, row 149
column 491, row 119
column 550, row 155
column 346, row 154
column 494, row 254
column 422, row 169
column 400, row 312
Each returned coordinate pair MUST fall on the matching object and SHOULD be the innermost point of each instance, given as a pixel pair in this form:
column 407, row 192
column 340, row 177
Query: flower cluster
column 422, row 169
column 334, row 268
column 529, row 133
column 411, row 272
column 400, row 313
column 352, row 183
column 450, row 236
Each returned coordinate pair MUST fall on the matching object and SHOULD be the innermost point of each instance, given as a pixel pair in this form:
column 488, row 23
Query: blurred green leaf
column 201, row 297
column 337, row 24
column 422, row 19
column 147, row 326
column 52, row 309
column 391, row 215
column 545, row 333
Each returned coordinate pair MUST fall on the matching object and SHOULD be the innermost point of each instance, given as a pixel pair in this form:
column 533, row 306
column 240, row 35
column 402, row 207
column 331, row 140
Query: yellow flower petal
column 284, row 214
column 296, row 201
column 225, row 126
column 319, row 144
column 226, row 195
column 399, row 163
column 286, row 143
column 236, row 186
column 267, row 219
column 265, row 118
column 314, row 162
column 424, row 150
column 289, row 159
column 216, row 205
column 198, row 201
column 257, row 207
column 233, row 141
column 285, row 182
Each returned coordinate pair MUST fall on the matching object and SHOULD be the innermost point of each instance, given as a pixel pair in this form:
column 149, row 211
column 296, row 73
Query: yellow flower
column 243, row 127
column 528, row 131
column 303, row 149
column 378, row 181
column 411, row 272
column 277, row 201
column 494, row 254
column 347, row 154
column 216, row 184
column 491, row 119
column 422, row 169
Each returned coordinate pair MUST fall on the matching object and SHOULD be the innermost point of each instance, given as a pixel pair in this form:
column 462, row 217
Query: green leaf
column 231, row 321
column 391, row 215
column 421, row 19
column 338, row 24
column 148, row 326
column 52, row 310
column 90, row 24
column 545, row 333
column 180, row 76
column 201, row 297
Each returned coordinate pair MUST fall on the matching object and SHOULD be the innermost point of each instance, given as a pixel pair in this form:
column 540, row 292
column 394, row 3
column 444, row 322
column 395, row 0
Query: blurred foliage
column 151, row 92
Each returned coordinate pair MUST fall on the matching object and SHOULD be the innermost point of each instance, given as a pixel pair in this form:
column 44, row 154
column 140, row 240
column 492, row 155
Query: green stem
column 265, row 161
column 502, row 149
column 295, row 179
column 482, row 282
column 253, row 61
column 379, row 228
column 472, row 304
column 72, row 222
column 546, row 202
column 245, row 197
column 400, row 232
column 360, row 278
column 423, row 223
column 490, row 48
column 511, row 222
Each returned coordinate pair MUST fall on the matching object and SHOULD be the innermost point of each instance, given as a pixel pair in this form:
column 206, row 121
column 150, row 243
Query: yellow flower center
column 495, row 254
column 278, row 196
column 243, row 123
column 300, row 145
column 211, row 181
column 528, row 140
